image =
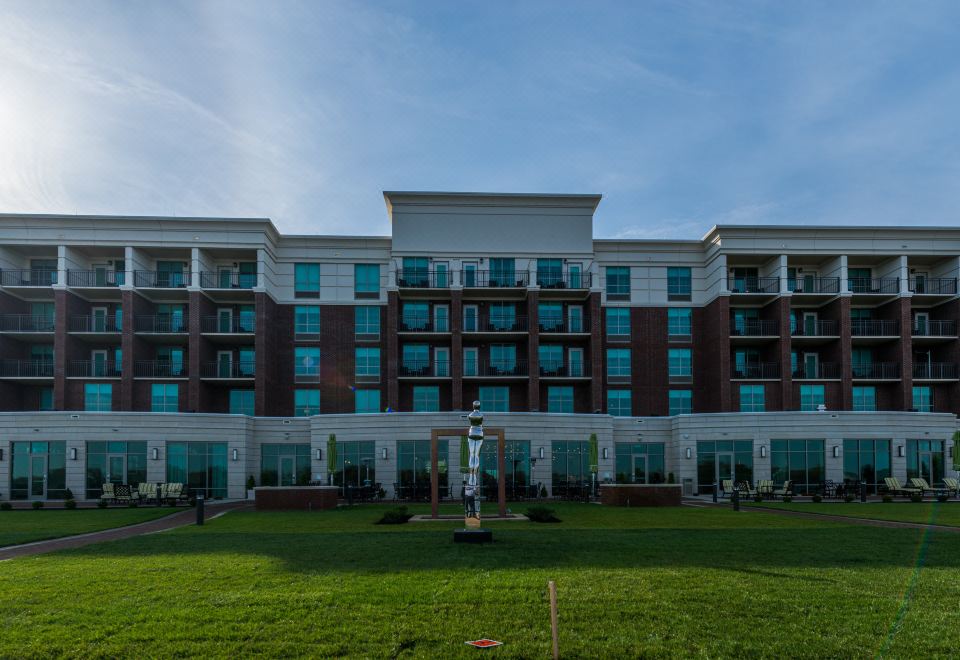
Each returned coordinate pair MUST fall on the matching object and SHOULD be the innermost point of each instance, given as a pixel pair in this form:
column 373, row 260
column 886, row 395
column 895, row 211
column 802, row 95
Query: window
column 723, row 459
column 811, row 397
column 43, row 272
column 551, row 359
column 679, row 363
column 922, row 398
column 867, row 461
column 415, row 316
column 115, row 463
column 551, row 317
column 751, row 398
column 681, row 402
column 367, row 321
column 925, row 460
column 678, row 283
column 416, row 359
column 414, row 466
column 441, row 318
column 366, row 280
column 618, row 363
column 367, row 401
column 618, row 403
column 618, row 322
column 503, row 317
column 284, row 465
column 164, row 397
column 640, row 463
column 171, row 274
column 860, row 279
column 560, row 399
column 368, row 364
column 198, row 466
column 306, row 403
column 799, row 461
column 42, row 316
column 356, row 464
column 26, row 482
column 46, row 398
column 306, row 362
column 170, row 362
column 571, row 464
column 415, row 272
column 248, row 318
column 246, row 362
column 426, row 398
column 549, row 273
column 516, row 473
column 470, row 362
column 618, row 282
column 679, row 322
column 865, row 398
column 242, row 402
column 503, row 359
column 306, row 320
column 98, row 397
column 495, row 398
column 502, row 272
column 306, row 280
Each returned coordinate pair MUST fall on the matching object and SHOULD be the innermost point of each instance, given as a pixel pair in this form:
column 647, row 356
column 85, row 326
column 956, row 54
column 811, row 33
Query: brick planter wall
column 300, row 498
column 640, row 495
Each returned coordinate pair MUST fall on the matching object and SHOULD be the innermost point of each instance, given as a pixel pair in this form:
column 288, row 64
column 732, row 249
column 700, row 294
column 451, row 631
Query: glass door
column 442, row 274
column 469, row 274
column 100, row 275
column 99, row 319
column 441, row 357
column 640, row 469
column 920, row 321
column 470, row 362
column 575, row 358
column 469, row 318
column 724, row 468
column 116, row 474
column 98, row 364
column 809, row 324
column 287, row 470
column 574, row 271
column 224, row 364
column 38, row 477
column 224, row 320
column 810, row 365
column 225, row 275
column 575, row 318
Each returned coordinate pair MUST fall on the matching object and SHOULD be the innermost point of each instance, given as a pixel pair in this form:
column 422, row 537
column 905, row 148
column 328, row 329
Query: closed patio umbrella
column 594, row 453
column 956, row 454
column 332, row 455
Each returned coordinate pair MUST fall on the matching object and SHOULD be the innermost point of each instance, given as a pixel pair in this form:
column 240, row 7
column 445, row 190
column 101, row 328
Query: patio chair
column 952, row 485
column 919, row 482
column 172, row 492
column 726, row 487
column 746, row 491
column 122, row 493
column 107, row 494
column 146, row 491
column 765, row 487
column 895, row 487
column 786, row 490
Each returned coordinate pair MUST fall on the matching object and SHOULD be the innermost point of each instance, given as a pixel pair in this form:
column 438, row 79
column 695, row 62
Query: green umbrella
column 332, row 453
column 594, row 452
column 956, row 450
column 464, row 454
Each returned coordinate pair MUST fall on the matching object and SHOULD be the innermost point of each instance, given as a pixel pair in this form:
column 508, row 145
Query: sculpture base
column 473, row 536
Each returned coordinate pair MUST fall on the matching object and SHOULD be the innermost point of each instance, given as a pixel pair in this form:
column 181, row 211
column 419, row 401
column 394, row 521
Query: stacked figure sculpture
column 471, row 494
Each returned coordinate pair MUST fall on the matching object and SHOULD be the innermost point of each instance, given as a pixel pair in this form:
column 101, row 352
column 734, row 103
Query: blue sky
column 683, row 114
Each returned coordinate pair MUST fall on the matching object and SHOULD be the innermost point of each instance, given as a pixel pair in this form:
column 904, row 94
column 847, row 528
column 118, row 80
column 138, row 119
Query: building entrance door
column 724, row 466
column 640, row 469
column 287, row 471
column 38, row 477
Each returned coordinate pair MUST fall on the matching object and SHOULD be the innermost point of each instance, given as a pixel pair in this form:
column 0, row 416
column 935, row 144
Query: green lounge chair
column 107, row 494
column 895, row 487
column 924, row 487
column 786, row 490
column 122, row 493
column 726, row 487
column 952, row 485
column 146, row 491
column 747, row 491
column 765, row 487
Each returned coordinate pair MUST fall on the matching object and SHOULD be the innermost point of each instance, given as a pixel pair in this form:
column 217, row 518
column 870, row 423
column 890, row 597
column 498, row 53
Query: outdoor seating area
column 144, row 493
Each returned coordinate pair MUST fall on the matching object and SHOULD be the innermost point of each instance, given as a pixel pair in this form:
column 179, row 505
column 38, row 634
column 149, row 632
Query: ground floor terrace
column 43, row 455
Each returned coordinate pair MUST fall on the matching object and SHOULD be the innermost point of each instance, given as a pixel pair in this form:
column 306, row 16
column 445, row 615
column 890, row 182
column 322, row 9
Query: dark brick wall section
column 785, row 346
column 393, row 311
column 640, row 495
column 533, row 352
column 296, row 498
column 594, row 353
column 711, row 357
column 456, row 350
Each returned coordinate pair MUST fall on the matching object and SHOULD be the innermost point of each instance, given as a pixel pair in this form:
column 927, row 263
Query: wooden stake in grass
column 552, row 587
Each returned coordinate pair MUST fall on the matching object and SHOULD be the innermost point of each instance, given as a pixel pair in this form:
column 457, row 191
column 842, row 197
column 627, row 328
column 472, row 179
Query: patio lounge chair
column 765, row 487
column 952, row 485
column 746, row 490
column 146, row 491
column 122, row 493
column 726, row 487
column 786, row 490
column 924, row 487
column 107, row 493
column 172, row 492
column 894, row 486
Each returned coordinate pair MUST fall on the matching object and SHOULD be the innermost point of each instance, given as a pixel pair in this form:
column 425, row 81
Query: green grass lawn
column 632, row 582
column 931, row 513
column 24, row 526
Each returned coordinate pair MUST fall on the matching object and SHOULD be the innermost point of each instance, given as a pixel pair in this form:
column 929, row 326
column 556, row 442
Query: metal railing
column 96, row 278
column 425, row 368
column 559, row 369
column 160, row 369
column 417, row 323
column 227, row 280
column 761, row 370
column 874, row 328
column 754, row 327
column 26, row 323
column 818, row 328
column 505, row 279
column 228, row 325
column 423, row 278
column 496, row 324
column 932, row 328
column 496, row 368
column 563, row 325
column 155, row 279
column 95, row 324
column 28, row 277
column 94, row 369
column 228, row 369
column 753, row 284
column 933, row 286
column 813, row 284
column 162, row 324
column 26, row 368
column 554, row 280
column 822, row 371
column 877, row 371
column 874, row 284
column 935, row 371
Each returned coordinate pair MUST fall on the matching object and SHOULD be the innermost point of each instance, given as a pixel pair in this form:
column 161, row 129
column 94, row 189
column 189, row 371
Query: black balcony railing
column 231, row 369
column 935, row 371
column 94, row 369
column 818, row 328
column 94, row 324
column 820, row 371
column 244, row 324
column 760, row 370
column 162, row 324
column 155, row 279
column 95, row 278
column 495, row 324
column 754, row 327
column 550, row 279
column 560, row 369
column 813, row 284
column 495, row 368
column 877, row 371
column 226, row 279
column 874, row 328
column 753, row 284
column 508, row 279
column 565, row 325
column 933, row 286
column 26, row 323
column 28, row 277
column 888, row 285
column 26, row 369
column 417, row 323
column 160, row 369
column 425, row 368
column 932, row 328
column 423, row 278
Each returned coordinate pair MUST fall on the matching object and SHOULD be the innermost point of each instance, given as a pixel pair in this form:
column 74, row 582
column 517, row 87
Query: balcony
column 415, row 323
column 933, row 286
column 162, row 324
column 874, row 285
column 554, row 280
column 28, row 278
column 419, row 278
column 877, row 371
column 814, row 285
column 94, row 369
column 306, row 373
column 931, row 328
column 228, row 370
column 818, row 328
column 155, row 279
column 758, row 371
column 26, row 323
column 367, row 378
column 754, row 328
column 874, row 328
column 557, row 369
column 424, row 369
column 820, row 371
column 753, row 284
column 26, row 369
column 496, row 324
column 483, row 279
column 226, row 279
column 935, row 371
column 95, row 279
column 159, row 369
column 228, row 325
column 563, row 326
column 95, row 324
column 495, row 369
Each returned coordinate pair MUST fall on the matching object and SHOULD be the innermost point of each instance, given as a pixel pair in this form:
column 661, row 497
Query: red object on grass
column 484, row 643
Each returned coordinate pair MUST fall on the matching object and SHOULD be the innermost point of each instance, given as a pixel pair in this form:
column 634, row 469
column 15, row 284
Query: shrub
column 37, row 504
column 757, row 498
column 133, row 505
column 396, row 516
column 787, row 499
column 942, row 498
column 68, row 494
column 817, row 498
column 670, row 478
column 70, row 504
column 543, row 491
column 251, row 483
column 102, row 504
column 541, row 514
column 887, row 498
column 916, row 497
column 849, row 497
column 5, row 506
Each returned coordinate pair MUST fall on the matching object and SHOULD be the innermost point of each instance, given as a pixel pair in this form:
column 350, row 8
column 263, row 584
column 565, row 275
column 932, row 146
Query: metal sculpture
column 471, row 494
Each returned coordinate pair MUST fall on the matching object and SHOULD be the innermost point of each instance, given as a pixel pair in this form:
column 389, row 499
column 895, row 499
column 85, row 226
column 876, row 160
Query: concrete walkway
column 181, row 518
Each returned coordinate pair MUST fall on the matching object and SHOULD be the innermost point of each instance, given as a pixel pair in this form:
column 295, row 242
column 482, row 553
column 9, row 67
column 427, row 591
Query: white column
column 844, row 278
column 61, row 266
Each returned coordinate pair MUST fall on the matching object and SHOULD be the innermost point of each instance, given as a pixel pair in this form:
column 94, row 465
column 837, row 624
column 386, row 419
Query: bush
column 916, row 497
column 396, row 516
column 787, row 499
column 68, row 494
column 541, row 514
column 817, row 498
column 251, row 483
column 543, row 491
column 37, row 504
column 849, row 497
column 70, row 504
column 757, row 498
column 887, row 498
column 670, row 478
column 943, row 498
column 133, row 505
column 5, row 506
column 102, row 504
